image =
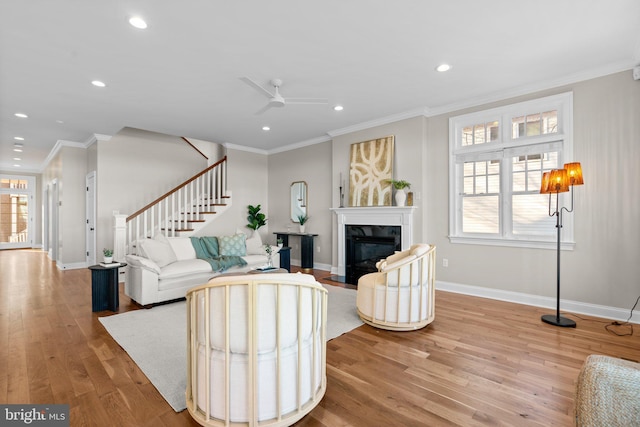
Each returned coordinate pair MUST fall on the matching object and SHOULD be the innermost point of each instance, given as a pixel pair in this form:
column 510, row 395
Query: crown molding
column 532, row 88
column 244, row 148
column 381, row 121
column 308, row 142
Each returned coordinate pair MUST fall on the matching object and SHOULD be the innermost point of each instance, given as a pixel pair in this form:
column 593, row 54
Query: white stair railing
column 176, row 211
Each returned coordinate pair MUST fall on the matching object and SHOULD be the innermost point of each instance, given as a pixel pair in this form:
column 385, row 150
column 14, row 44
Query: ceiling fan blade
column 306, row 100
column 256, row 86
column 263, row 109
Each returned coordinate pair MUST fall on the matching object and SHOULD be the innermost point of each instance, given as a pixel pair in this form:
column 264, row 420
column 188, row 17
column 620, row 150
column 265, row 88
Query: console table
column 104, row 287
column 306, row 247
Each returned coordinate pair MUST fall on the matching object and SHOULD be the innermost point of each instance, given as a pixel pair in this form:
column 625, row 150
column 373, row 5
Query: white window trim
column 30, row 193
column 563, row 103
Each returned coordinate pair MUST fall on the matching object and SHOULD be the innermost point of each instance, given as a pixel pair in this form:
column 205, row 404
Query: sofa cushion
column 182, row 247
column 233, row 245
column 254, row 244
column 402, row 261
column 141, row 262
column 184, row 268
column 158, row 251
column 419, row 249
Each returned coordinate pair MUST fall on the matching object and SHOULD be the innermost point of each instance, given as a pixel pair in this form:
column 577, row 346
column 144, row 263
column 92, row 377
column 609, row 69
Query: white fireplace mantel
column 375, row 215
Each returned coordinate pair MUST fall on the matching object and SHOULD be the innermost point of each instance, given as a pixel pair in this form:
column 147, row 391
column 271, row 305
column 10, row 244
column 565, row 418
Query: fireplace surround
column 401, row 216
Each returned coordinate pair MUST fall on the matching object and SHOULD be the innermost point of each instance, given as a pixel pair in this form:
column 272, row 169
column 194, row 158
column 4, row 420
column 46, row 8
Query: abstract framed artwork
column 370, row 169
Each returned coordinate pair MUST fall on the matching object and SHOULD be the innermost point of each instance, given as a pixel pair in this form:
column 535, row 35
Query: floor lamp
column 555, row 182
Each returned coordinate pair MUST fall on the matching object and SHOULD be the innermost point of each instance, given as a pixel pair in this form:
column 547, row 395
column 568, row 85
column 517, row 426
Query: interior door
column 91, row 218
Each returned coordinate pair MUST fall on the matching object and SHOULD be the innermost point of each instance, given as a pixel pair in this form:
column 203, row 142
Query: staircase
column 180, row 212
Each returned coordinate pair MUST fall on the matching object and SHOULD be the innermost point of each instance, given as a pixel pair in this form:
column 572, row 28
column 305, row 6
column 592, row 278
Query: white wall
column 134, row 168
column 603, row 269
column 311, row 164
column 68, row 168
column 248, row 183
column 409, row 159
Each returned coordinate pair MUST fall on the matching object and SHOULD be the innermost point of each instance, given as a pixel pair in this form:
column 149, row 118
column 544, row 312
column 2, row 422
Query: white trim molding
column 568, row 306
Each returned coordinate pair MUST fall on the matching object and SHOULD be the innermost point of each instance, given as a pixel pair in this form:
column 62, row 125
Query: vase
column 302, row 228
column 401, row 197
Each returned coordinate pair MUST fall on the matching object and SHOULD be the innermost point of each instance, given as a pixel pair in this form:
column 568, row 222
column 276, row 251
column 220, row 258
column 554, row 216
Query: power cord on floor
column 615, row 324
column 626, row 323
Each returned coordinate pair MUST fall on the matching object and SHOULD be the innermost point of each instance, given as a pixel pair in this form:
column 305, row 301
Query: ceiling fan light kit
column 275, row 99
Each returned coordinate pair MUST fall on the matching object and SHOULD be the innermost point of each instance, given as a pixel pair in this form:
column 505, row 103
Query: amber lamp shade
column 574, row 173
column 558, row 181
column 544, row 186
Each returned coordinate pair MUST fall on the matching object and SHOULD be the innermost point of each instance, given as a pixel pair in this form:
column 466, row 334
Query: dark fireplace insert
column 365, row 245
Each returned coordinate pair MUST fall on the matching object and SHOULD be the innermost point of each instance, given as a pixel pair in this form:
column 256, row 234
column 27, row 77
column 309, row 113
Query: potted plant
column 280, row 242
column 269, row 250
column 108, row 255
column 256, row 218
column 400, row 195
column 302, row 219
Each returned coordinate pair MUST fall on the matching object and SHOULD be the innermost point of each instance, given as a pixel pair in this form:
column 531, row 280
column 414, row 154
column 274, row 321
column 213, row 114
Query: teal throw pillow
column 232, row 245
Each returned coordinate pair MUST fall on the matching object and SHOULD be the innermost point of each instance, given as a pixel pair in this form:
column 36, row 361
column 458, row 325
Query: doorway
column 16, row 211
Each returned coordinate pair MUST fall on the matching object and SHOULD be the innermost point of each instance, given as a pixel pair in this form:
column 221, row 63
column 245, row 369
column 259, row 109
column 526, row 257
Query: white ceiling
column 180, row 76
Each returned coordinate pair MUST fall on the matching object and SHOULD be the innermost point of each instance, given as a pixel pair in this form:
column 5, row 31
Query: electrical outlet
column 318, row 249
column 445, row 262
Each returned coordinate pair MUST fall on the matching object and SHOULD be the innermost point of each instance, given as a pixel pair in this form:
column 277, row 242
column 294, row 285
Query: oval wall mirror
column 298, row 200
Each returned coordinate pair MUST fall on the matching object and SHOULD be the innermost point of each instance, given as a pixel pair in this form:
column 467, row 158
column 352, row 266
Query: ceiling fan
column 277, row 100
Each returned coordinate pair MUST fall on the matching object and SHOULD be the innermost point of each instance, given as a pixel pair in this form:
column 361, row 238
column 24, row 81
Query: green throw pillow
column 232, row 245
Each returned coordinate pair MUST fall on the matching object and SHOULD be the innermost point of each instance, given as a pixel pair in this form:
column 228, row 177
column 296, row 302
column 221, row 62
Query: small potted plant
column 108, row 255
column 302, row 219
column 280, row 242
column 269, row 250
column 400, row 185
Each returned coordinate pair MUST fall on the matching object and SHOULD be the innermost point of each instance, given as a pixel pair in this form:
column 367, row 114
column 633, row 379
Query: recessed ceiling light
column 266, row 128
column 16, row 165
column 17, row 158
column 21, row 115
column 17, row 150
column 98, row 83
column 59, row 121
column 18, row 138
column 443, row 67
column 338, row 108
column 138, row 22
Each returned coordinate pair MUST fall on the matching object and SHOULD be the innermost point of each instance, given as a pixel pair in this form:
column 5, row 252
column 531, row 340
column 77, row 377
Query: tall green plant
column 255, row 218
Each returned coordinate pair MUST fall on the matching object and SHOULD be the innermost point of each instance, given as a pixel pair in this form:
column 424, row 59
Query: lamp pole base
column 552, row 319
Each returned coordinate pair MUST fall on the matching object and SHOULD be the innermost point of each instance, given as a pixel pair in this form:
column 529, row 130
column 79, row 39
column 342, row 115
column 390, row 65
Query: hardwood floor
column 482, row 362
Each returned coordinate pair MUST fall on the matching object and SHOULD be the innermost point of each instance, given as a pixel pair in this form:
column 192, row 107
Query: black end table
column 104, row 287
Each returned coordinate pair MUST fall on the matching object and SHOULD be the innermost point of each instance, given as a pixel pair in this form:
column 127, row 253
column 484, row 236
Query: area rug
column 156, row 339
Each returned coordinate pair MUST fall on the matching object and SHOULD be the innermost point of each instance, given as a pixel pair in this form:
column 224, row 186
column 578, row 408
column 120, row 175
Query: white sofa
column 163, row 269
column 400, row 296
column 256, row 350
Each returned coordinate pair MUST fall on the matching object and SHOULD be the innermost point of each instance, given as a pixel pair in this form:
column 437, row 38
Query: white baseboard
column 71, row 266
column 614, row 313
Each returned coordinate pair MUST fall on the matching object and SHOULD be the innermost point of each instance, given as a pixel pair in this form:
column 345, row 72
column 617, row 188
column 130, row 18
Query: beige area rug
column 155, row 339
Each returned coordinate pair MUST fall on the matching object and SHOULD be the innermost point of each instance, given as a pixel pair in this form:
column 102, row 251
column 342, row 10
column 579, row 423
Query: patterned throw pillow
column 232, row 245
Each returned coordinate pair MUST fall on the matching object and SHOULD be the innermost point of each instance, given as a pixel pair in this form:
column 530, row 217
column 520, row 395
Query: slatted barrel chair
column 400, row 296
column 256, row 350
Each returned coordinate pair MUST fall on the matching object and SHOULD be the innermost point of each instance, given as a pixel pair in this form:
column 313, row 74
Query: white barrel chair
column 256, row 350
column 400, row 296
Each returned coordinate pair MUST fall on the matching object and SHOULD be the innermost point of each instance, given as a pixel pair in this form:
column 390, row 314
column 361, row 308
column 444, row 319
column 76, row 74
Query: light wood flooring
column 481, row 363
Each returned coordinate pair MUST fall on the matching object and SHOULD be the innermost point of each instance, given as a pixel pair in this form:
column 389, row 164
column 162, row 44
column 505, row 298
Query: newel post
column 119, row 237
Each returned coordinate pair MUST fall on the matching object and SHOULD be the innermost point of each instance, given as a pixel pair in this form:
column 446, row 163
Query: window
column 15, row 223
column 497, row 158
